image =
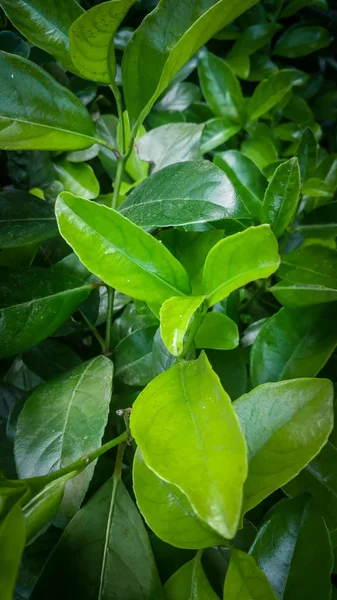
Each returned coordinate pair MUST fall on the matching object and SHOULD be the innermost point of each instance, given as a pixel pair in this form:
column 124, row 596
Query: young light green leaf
column 122, row 254
column 281, row 196
column 165, row 49
column 184, row 193
column 246, row 178
column 217, row 331
column 190, row 582
column 104, row 550
column 221, row 88
column 135, row 167
column 12, row 542
column 133, row 357
column 56, row 119
column 175, row 317
column 294, row 343
column 45, row 23
column 169, row 144
column 285, row 425
column 245, row 581
column 167, row 510
column 242, row 261
column 319, row 479
column 51, row 436
column 309, row 276
column 285, row 552
column 169, row 419
column 261, row 150
column 217, row 131
column 270, row 91
column 25, row 219
column 300, row 41
column 307, row 154
column 92, row 40
column 34, row 303
column 77, row 178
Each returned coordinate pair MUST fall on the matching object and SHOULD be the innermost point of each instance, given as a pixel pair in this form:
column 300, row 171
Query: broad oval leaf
column 104, row 553
column 185, row 193
column 51, row 118
column 12, row 541
column 91, row 40
column 169, row 144
column 242, row 261
column 217, row 331
column 167, row 510
column 133, row 357
column 25, row 219
column 77, row 178
column 45, row 23
column 281, row 196
column 52, row 435
column 168, row 419
column 190, row 582
column 220, row 87
column 285, row 425
column 246, row 178
column 294, row 343
column 270, row 91
column 122, row 254
column 165, row 49
column 300, row 41
column 309, row 276
column 34, row 303
column 175, row 317
column 245, row 581
column 285, row 552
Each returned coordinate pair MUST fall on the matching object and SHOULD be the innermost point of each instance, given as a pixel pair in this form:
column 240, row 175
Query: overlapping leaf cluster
column 168, row 296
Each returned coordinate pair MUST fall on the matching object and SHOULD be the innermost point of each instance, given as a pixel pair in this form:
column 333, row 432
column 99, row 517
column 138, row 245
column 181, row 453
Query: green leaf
column 307, row 154
column 161, row 357
column 217, row 131
column 321, row 222
column 246, row 178
column 220, row 88
column 178, row 97
column 192, row 249
column 169, row 419
column 327, row 171
column 77, row 178
column 14, row 44
column 104, row 550
column 169, row 144
column 25, row 219
column 270, row 91
column 217, row 331
column 281, row 196
column 122, row 254
column 294, row 343
column 245, row 581
column 241, row 260
column 45, row 23
column 167, row 511
column 190, row 583
column 52, row 435
column 285, row 425
column 134, row 166
column 261, row 150
column 317, row 188
column 309, row 276
column 319, row 479
column 133, row 357
column 230, row 366
column 295, row 5
column 12, row 542
column 254, row 38
column 285, row 552
column 51, row 358
column 34, row 304
column 300, row 41
column 184, row 193
column 175, row 317
column 165, row 49
column 56, row 119
column 92, row 40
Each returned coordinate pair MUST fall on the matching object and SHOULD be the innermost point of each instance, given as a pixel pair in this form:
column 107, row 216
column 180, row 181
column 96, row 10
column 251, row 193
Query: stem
column 109, row 316
column 198, row 319
column 107, row 145
column 94, row 330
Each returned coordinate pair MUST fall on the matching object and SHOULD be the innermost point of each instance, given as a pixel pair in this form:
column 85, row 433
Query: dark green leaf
column 307, row 154
column 12, row 541
column 14, row 44
column 281, row 197
column 51, row 358
column 300, row 41
column 270, row 91
column 133, row 357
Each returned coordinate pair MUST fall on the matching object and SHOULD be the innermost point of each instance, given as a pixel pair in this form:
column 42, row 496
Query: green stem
column 107, row 145
column 109, row 318
column 94, row 330
column 198, row 319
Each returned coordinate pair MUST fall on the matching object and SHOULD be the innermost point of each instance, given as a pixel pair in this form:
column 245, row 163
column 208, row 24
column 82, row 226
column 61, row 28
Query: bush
column 168, row 223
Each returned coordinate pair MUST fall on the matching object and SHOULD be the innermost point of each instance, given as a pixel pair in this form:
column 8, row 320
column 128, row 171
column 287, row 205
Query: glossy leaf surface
column 115, row 249
column 51, row 118
column 281, row 197
column 133, row 357
column 177, row 402
column 302, row 41
column 75, row 426
column 242, row 262
column 245, row 581
column 12, row 540
column 77, row 178
column 169, row 144
column 190, row 582
column 221, row 88
column 285, row 425
column 270, row 91
column 217, row 331
column 175, row 317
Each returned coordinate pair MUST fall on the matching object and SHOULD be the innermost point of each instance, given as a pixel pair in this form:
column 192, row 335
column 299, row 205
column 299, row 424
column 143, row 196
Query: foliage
column 168, row 330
